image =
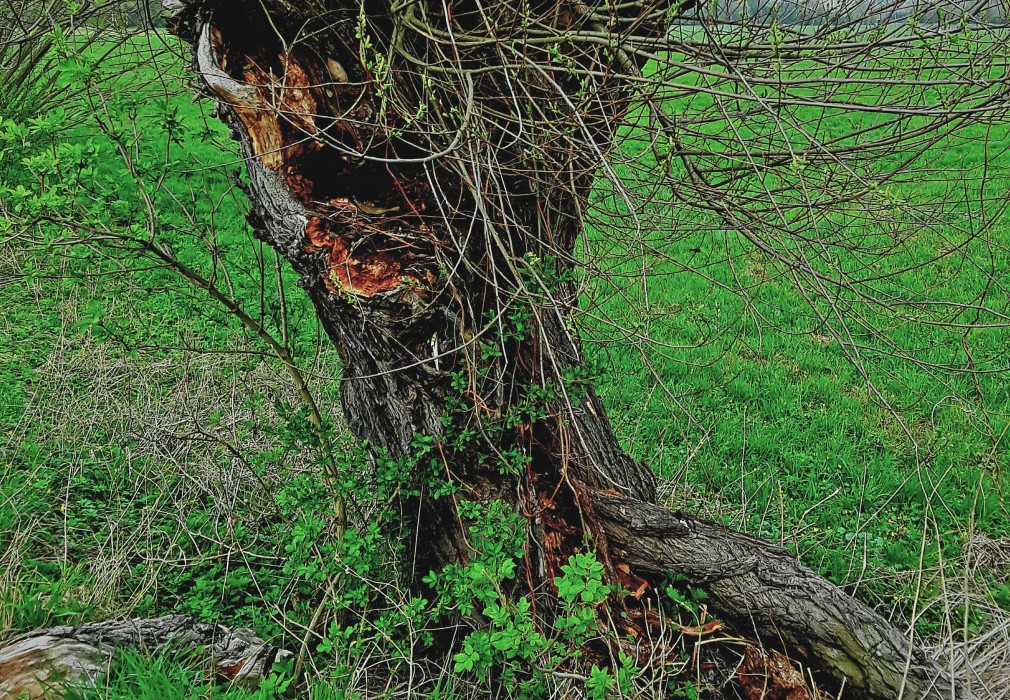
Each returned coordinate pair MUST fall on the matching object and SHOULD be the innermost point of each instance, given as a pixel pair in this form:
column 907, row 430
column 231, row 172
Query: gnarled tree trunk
column 405, row 159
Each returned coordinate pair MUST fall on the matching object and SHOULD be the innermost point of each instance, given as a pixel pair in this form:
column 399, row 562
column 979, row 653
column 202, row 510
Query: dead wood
column 47, row 662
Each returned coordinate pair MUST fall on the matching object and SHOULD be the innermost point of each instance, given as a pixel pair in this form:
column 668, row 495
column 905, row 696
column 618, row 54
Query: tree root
column 760, row 588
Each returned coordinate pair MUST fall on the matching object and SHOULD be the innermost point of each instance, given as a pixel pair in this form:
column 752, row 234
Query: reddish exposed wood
column 296, row 96
column 770, row 675
column 366, row 275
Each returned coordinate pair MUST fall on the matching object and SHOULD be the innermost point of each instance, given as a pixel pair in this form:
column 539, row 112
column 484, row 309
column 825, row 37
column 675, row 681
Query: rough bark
column 756, row 586
column 47, row 662
column 404, row 254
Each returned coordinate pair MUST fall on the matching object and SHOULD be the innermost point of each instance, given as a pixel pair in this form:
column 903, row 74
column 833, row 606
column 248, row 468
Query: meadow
column 155, row 455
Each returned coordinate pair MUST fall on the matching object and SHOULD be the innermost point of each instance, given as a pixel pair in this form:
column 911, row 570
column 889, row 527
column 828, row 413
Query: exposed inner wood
column 294, row 108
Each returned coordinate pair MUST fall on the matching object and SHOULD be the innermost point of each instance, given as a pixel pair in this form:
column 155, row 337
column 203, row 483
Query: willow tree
column 431, row 170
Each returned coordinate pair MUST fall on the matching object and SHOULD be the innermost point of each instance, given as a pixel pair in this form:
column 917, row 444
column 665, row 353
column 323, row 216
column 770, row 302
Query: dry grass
column 182, row 423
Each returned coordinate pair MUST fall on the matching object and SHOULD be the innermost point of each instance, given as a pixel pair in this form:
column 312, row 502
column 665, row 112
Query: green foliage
column 582, row 580
column 685, row 597
column 600, row 684
column 688, row 691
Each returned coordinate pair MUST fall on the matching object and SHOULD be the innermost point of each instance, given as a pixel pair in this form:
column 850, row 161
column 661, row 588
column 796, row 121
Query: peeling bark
column 48, row 662
column 403, row 259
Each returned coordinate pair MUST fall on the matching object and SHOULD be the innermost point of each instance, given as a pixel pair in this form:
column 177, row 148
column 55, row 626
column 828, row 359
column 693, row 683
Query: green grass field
column 147, row 438
column 759, row 415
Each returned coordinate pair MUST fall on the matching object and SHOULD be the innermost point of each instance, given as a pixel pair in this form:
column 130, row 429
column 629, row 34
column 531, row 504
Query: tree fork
column 403, row 259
